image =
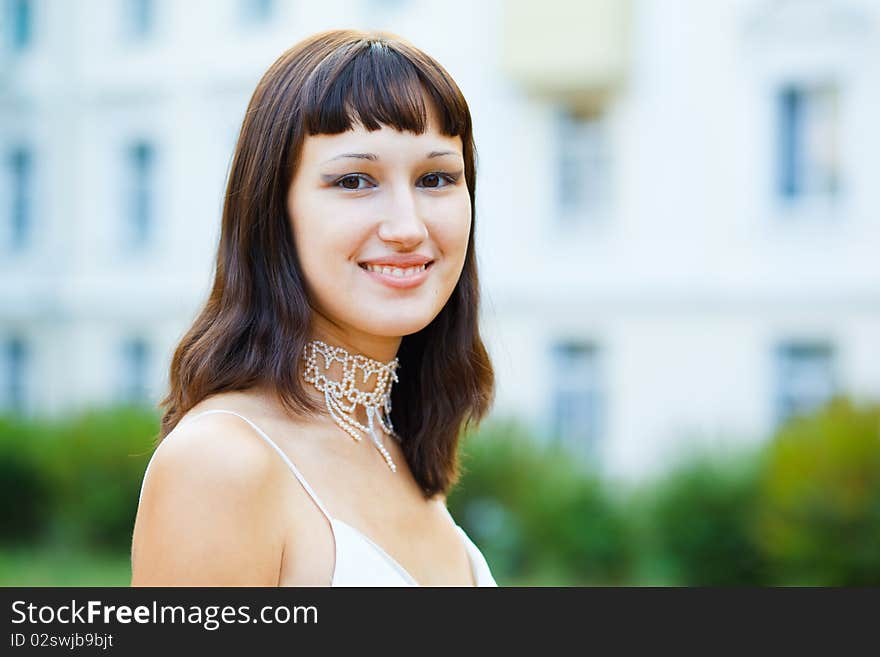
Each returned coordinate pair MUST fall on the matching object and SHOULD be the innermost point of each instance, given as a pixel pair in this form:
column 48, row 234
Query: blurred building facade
column 677, row 229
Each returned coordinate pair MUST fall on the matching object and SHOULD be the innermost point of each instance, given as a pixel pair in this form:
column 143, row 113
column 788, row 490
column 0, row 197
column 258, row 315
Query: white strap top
column 359, row 561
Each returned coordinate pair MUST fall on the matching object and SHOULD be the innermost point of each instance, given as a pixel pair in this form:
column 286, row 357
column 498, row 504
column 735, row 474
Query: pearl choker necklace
column 336, row 393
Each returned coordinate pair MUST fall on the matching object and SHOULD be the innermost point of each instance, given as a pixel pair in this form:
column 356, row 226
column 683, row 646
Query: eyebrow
column 373, row 157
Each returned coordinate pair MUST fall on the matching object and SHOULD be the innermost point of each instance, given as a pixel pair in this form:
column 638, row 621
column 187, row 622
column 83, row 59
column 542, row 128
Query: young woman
column 340, row 343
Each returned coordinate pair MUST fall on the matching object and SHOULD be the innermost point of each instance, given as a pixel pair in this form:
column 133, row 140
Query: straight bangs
column 375, row 83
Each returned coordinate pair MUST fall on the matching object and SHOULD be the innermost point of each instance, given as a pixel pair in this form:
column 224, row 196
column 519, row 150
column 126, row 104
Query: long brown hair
column 255, row 324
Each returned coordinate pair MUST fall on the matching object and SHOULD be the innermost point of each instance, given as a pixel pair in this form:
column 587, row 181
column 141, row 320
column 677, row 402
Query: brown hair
column 255, row 324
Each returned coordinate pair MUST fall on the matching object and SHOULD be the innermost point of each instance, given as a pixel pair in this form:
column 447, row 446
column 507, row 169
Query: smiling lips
column 399, row 271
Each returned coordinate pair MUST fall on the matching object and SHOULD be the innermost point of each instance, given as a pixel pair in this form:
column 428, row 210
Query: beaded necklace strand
column 377, row 403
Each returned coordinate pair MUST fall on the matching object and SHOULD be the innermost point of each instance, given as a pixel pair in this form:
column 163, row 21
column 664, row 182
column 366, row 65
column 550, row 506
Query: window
column 19, row 24
column 805, row 377
column 576, row 397
column 19, row 166
column 139, row 19
column 135, row 371
column 13, row 365
column 809, row 151
column 583, row 161
column 140, row 171
column 256, row 11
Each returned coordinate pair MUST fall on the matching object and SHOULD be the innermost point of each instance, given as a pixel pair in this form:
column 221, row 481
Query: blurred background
column 678, row 227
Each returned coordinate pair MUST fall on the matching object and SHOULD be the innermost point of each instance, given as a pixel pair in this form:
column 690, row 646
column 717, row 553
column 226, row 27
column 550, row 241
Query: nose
column 403, row 224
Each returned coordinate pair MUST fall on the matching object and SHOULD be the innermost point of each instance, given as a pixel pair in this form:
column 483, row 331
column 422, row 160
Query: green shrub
column 24, row 486
column 485, row 502
column 702, row 519
column 803, row 509
column 95, row 462
column 820, row 498
column 535, row 513
column 570, row 519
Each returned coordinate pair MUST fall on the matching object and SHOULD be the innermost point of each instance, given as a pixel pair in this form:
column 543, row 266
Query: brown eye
column 350, row 182
column 437, row 180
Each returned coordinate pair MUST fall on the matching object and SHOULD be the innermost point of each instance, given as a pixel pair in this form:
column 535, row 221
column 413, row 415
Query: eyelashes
column 345, row 182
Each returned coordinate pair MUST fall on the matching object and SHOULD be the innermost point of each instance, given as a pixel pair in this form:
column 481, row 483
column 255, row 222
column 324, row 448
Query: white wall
column 686, row 283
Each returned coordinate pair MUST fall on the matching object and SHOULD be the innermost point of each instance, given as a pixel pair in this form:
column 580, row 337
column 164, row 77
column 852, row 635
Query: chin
column 398, row 325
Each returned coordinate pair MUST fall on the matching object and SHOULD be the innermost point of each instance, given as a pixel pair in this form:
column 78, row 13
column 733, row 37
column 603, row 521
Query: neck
column 344, row 398
column 377, row 347
column 353, row 379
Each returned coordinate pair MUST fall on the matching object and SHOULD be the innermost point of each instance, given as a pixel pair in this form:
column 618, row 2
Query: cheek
column 453, row 231
column 325, row 237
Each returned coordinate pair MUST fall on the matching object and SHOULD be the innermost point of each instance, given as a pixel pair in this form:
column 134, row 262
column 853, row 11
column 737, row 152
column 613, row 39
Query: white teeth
column 397, row 272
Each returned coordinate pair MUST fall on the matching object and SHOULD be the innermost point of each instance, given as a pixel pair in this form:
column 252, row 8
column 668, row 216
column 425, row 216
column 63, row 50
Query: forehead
column 387, row 142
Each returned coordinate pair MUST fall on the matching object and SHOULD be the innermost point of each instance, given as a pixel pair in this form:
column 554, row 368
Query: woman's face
column 381, row 222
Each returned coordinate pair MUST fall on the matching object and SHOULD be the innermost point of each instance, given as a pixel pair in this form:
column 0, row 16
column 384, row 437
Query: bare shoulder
column 207, row 515
column 215, row 449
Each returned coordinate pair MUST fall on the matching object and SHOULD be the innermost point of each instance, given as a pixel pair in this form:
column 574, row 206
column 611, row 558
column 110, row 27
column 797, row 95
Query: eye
column 438, row 180
column 352, row 181
column 433, row 180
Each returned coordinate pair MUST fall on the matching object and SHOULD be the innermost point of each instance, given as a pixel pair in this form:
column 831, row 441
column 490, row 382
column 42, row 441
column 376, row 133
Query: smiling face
column 381, row 222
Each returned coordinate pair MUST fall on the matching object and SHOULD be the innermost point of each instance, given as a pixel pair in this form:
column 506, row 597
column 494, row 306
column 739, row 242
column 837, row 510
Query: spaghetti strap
column 274, row 446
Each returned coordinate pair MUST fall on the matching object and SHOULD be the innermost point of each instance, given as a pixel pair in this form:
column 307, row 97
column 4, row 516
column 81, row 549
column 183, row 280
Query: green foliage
column 24, row 486
column 702, row 519
column 58, row 565
column 802, row 509
column 89, row 467
column 820, row 498
column 100, row 460
column 534, row 509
